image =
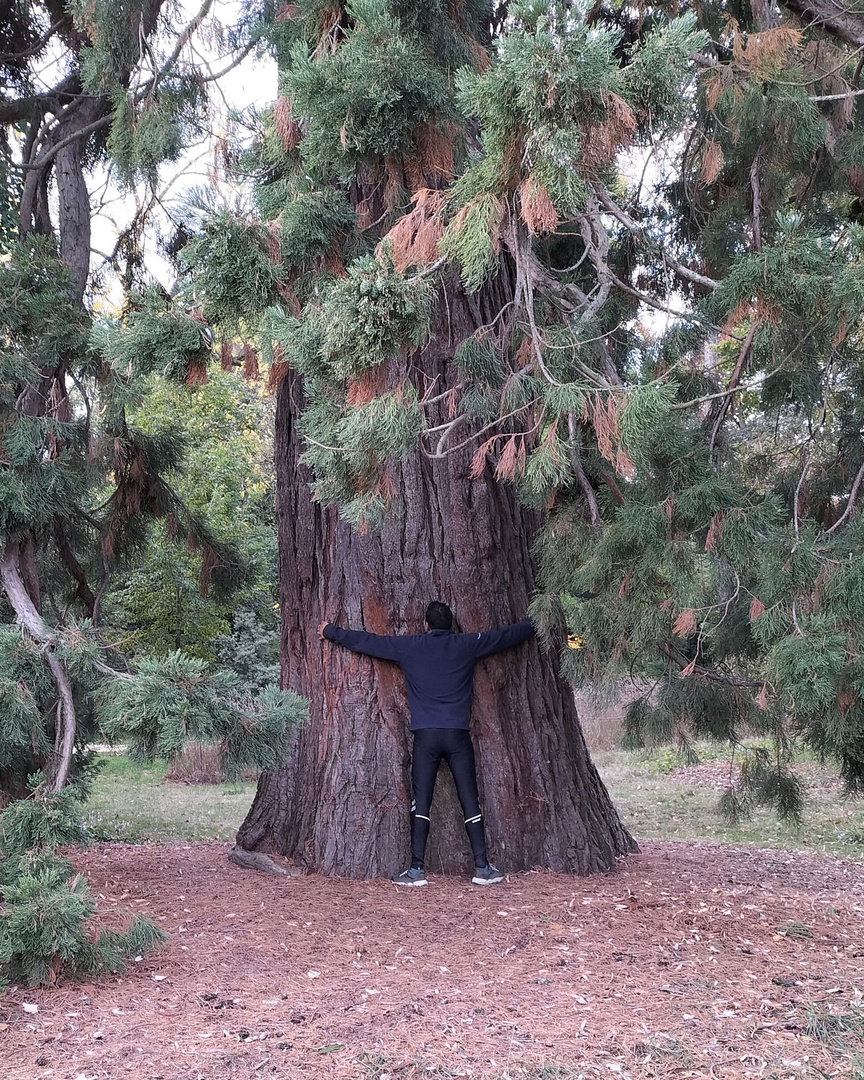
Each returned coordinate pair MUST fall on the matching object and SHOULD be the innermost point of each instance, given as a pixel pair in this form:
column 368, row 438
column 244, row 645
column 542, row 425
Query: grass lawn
column 134, row 802
column 656, row 799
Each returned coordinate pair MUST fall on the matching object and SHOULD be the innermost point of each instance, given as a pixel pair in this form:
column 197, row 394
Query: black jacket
column 438, row 666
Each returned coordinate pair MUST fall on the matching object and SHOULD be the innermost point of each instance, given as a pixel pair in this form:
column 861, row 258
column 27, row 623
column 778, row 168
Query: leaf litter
column 681, row 963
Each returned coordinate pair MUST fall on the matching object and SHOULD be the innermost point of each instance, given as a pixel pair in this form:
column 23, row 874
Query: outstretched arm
column 385, row 648
column 505, row 637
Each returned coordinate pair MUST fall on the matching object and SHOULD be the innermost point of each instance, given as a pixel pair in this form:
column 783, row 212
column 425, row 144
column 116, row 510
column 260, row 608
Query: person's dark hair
column 439, row 616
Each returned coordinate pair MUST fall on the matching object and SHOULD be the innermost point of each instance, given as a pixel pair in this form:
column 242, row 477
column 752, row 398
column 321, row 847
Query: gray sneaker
column 487, row 875
column 411, row 876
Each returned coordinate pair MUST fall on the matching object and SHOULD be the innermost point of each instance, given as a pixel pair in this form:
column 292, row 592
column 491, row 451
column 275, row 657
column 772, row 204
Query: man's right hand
column 321, row 630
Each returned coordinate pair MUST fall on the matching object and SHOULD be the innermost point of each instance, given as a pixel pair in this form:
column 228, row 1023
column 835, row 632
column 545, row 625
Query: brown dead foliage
column 431, row 161
column 715, row 531
column 712, row 163
column 328, row 27
column 602, row 139
column 505, row 469
column 415, row 235
column 754, row 310
column 536, row 207
column 226, row 356
column 765, row 52
column 689, row 669
column 715, row 83
column 478, row 461
column 384, row 487
column 524, row 354
column 367, row 387
column 604, row 412
column 757, row 608
column 685, row 624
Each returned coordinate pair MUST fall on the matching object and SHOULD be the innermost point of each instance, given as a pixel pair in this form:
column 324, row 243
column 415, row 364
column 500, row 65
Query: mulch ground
column 691, row 960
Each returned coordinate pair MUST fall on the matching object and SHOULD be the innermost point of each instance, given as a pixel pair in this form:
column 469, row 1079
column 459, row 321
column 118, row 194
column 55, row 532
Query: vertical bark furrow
column 340, row 803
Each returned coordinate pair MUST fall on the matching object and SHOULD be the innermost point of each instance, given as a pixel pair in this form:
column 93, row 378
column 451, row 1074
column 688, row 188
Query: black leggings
column 454, row 745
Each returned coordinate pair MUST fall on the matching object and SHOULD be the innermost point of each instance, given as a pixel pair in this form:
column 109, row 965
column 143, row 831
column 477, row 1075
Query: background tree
column 226, row 480
column 726, row 567
column 80, row 484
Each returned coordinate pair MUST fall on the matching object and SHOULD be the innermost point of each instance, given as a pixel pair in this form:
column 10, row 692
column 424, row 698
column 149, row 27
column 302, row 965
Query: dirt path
column 692, row 960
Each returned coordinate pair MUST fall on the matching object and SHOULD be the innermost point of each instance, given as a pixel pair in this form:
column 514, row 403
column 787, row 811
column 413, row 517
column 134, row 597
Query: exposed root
column 256, row 860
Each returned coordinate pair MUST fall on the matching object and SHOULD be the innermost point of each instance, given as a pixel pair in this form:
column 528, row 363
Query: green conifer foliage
column 46, row 926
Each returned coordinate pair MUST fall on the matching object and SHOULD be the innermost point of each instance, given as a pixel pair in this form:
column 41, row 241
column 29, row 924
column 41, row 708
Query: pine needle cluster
column 46, row 917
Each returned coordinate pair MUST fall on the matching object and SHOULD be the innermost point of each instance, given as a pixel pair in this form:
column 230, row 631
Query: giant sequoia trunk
column 340, row 804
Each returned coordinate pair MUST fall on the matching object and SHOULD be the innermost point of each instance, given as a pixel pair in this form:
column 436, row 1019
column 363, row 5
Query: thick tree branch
column 831, row 16
column 27, row 616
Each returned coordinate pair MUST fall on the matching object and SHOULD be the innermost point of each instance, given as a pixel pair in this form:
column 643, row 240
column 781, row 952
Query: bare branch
column 637, row 230
column 51, row 152
column 831, row 16
column 687, row 316
column 756, row 189
column 850, row 505
column 734, row 379
column 579, row 472
column 795, row 517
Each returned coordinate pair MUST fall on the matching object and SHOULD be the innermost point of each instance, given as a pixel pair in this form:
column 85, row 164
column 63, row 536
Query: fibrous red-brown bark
column 340, row 803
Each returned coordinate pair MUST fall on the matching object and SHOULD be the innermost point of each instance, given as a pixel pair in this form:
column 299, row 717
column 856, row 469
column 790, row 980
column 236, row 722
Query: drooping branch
column 74, row 568
column 27, row 616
